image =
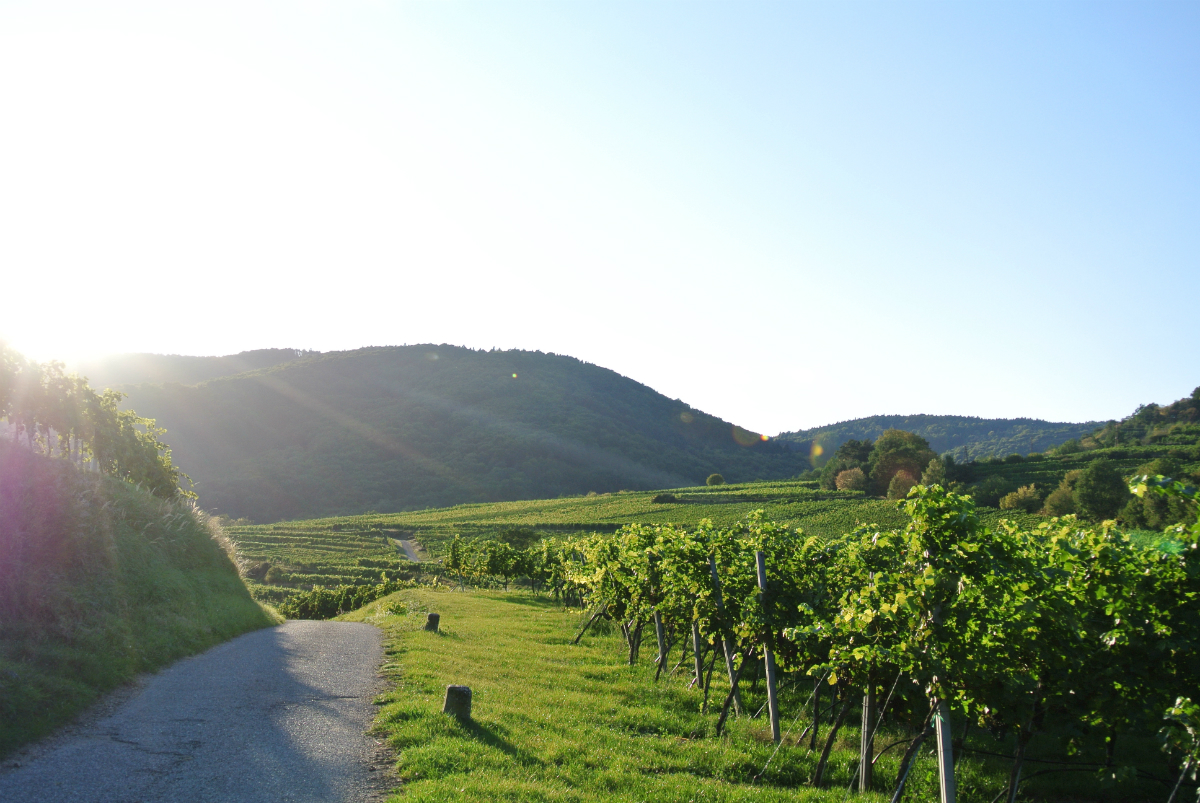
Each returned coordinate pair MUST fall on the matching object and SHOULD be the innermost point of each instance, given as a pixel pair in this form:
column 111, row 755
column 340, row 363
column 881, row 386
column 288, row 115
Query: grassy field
column 560, row 722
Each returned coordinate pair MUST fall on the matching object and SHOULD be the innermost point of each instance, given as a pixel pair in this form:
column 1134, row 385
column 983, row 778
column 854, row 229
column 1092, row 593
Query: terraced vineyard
column 284, row 558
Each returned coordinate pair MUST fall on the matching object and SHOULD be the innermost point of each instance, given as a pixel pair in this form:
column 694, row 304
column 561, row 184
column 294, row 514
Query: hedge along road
column 276, row 715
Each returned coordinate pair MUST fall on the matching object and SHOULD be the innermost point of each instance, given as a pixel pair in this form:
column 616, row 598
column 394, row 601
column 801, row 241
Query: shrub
column 662, row 499
column 1060, row 502
column 852, row 480
column 902, row 482
column 1024, row 498
column 714, row 479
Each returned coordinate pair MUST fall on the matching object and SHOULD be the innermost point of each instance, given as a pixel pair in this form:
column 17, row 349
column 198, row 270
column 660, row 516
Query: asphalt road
column 276, row 715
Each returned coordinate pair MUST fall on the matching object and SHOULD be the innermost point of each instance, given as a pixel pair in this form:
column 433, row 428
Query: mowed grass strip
column 562, row 722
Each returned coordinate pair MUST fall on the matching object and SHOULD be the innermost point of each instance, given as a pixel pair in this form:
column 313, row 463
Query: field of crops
column 281, row 559
column 1047, row 471
column 291, row 556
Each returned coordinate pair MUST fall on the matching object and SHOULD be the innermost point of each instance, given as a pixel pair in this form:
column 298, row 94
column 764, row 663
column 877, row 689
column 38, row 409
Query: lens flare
column 815, row 453
column 514, row 376
column 686, row 417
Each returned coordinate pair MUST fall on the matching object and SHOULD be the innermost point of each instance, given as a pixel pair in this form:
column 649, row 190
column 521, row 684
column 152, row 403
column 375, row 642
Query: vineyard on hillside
column 279, row 561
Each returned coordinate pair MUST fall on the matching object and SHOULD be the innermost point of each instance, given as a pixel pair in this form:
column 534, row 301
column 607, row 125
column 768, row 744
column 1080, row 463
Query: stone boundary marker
column 458, row 702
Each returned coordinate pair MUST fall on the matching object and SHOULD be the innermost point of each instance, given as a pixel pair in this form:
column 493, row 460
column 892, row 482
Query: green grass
column 559, row 722
column 100, row 581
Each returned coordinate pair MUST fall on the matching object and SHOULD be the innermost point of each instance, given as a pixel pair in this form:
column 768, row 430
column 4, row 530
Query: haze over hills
column 965, row 437
column 130, row 369
column 403, row 428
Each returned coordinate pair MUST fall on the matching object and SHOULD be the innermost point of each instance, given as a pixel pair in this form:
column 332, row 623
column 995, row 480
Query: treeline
column 1085, row 477
column 1064, row 627
column 57, row 414
column 966, row 438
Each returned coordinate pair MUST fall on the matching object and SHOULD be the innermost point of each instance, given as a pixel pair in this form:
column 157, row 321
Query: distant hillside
column 405, row 428
column 132, row 369
column 965, row 437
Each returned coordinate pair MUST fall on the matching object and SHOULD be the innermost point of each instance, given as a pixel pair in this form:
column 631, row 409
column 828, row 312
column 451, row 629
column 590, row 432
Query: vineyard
column 793, row 503
column 1052, row 662
column 281, row 560
column 1062, row 633
column 1063, row 646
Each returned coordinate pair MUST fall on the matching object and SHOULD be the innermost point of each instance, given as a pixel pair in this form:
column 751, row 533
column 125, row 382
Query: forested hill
column 130, row 369
column 965, row 437
column 402, row 428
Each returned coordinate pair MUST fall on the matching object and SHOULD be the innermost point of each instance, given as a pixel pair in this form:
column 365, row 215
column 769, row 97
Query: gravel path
column 410, row 550
column 275, row 715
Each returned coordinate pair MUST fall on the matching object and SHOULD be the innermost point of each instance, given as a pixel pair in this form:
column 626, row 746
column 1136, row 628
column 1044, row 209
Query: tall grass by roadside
column 99, row 581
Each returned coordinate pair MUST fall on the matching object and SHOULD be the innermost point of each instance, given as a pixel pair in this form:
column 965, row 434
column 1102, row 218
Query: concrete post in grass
column 431, row 622
column 458, row 702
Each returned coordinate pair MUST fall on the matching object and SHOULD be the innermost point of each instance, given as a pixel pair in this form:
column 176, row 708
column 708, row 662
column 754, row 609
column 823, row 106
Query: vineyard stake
column 662, row 643
column 768, row 656
column 866, row 764
column 698, row 655
column 945, row 752
column 737, row 702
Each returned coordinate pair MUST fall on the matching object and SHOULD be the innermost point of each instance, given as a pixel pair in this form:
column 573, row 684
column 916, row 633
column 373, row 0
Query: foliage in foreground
column 100, row 581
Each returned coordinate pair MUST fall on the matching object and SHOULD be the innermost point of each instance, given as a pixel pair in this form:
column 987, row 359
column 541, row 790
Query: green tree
column 991, row 490
column 934, row 473
column 896, row 451
column 851, row 454
column 714, row 479
column 1100, row 492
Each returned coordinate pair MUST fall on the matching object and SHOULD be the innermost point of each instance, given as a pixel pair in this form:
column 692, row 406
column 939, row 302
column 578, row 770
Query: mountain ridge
column 965, row 437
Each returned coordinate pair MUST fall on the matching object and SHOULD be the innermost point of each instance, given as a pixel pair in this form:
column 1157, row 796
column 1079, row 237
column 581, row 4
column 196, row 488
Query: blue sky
column 785, row 214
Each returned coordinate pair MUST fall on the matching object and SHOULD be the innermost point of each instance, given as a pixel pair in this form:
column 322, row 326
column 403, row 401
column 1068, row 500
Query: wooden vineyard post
column 728, row 648
column 768, row 655
column 699, row 656
column 945, row 752
column 866, row 753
